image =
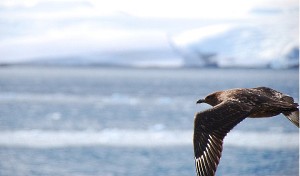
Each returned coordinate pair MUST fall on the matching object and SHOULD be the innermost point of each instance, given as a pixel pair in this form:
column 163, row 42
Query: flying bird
column 230, row 107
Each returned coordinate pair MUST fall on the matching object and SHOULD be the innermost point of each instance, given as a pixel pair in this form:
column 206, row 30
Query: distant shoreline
column 119, row 66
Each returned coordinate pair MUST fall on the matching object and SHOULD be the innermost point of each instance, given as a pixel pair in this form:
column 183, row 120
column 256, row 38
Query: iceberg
column 291, row 59
column 231, row 45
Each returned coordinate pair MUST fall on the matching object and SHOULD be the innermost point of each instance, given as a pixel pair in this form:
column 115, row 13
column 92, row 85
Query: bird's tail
column 293, row 116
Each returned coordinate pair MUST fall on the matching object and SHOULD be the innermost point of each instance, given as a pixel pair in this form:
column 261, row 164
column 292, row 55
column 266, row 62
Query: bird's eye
column 209, row 97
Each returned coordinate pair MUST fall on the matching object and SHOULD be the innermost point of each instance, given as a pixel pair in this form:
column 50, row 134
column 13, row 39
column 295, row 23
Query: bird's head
column 211, row 99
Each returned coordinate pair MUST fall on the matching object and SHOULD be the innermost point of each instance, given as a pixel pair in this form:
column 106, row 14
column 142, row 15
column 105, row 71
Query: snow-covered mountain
column 87, row 32
column 230, row 45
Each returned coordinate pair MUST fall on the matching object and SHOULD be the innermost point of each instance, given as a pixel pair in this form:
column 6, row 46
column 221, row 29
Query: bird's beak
column 200, row 101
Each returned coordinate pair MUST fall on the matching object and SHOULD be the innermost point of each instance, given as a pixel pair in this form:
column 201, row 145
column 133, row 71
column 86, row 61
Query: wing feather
column 293, row 117
column 210, row 128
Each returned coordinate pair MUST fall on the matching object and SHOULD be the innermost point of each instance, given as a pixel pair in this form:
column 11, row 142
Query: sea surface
column 81, row 121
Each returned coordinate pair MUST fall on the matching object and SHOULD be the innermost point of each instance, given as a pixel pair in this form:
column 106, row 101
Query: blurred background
column 150, row 33
column 109, row 88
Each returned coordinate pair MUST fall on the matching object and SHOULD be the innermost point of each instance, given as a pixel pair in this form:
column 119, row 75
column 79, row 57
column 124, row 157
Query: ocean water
column 117, row 121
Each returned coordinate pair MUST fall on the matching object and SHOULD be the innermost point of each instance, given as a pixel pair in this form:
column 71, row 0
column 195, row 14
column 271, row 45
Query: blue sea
column 88, row 121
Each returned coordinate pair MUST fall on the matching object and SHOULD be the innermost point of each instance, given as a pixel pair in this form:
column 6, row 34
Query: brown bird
column 229, row 108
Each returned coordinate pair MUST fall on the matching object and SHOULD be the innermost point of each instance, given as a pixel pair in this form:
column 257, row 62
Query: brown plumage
column 229, row 108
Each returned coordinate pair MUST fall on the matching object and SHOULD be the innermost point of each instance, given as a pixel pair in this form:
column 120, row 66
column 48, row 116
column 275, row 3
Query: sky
column 156, row 8
column 39, row 29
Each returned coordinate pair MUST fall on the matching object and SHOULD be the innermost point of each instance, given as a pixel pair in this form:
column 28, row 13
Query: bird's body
column 229, row 108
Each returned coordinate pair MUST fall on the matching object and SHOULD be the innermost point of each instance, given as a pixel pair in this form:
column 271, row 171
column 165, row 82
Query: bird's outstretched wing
column 210, row 128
